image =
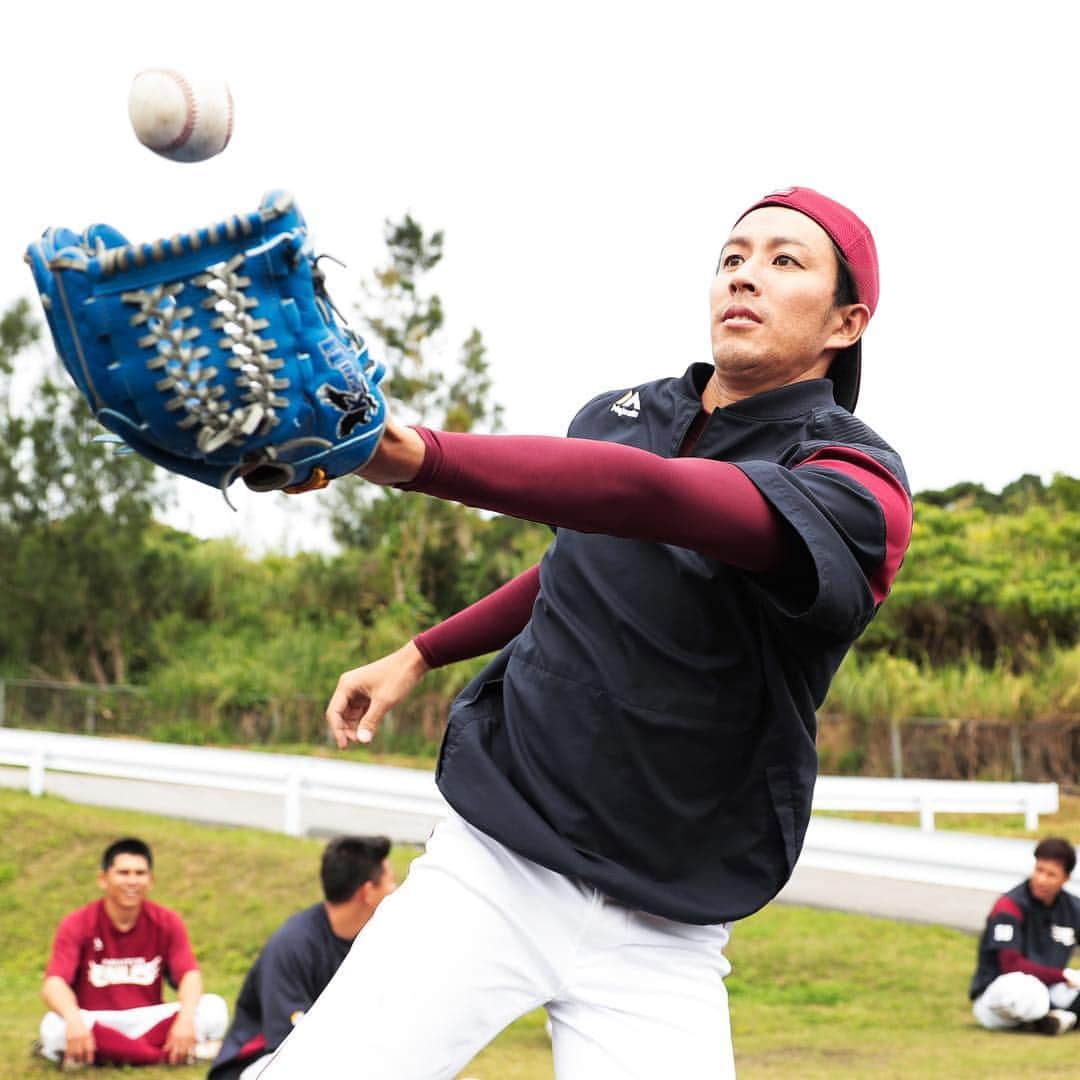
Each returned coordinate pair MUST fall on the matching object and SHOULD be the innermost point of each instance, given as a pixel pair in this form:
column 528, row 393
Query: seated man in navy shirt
column 303, row 954
column 1022, row 977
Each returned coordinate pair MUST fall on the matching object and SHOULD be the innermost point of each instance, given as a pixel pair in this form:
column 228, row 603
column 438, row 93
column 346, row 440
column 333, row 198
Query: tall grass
column 885, row 687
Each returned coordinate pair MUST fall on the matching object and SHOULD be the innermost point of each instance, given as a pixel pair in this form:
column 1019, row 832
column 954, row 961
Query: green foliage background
column 983, row 621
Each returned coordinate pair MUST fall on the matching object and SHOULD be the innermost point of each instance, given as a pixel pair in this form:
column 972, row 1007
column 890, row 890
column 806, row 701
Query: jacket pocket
column 475, row 702
column 783, row 802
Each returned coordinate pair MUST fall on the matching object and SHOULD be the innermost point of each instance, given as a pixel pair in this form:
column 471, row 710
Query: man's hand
column 80, row 1047
column 366, row 694
column 1072, row 977
column 398, row 458
column 180, row 1043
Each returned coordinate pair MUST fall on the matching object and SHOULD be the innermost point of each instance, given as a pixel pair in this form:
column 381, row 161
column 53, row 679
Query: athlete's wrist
column 399, row 457
column 415, row 662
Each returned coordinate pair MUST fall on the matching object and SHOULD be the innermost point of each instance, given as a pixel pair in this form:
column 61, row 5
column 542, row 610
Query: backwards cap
column 853, row 238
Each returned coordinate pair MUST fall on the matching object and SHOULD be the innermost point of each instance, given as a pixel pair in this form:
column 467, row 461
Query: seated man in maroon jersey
column 1022, row 977
column 103, row 983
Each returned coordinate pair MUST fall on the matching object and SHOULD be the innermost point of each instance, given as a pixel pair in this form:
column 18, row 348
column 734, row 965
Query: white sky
column 586, row 161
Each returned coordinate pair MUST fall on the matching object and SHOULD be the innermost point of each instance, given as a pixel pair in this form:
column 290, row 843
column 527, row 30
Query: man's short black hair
column 348, row 862
column 845, row 292
column 1057, row 849
column 129, row 845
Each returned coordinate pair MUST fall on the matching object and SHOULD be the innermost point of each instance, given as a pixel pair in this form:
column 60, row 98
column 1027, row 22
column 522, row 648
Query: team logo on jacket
column 124, row 971
column 1063, row 935
column 628, row 405
column 1003, row 932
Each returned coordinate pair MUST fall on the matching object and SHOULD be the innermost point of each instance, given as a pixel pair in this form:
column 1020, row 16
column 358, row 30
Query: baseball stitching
column 228, row 126
column 191, row 115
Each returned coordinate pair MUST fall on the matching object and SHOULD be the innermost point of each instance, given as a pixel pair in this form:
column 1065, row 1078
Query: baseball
column 179, row 117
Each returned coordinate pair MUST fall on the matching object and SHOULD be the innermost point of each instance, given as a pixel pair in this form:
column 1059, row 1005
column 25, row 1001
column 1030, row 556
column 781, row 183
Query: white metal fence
column 408, row 794
column 412, row 792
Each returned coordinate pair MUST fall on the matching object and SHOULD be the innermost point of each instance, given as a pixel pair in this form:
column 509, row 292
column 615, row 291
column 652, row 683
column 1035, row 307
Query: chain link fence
column 951, row 749
column 92, row 709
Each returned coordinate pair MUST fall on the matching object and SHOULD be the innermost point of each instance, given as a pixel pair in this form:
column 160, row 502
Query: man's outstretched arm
column 589, row 486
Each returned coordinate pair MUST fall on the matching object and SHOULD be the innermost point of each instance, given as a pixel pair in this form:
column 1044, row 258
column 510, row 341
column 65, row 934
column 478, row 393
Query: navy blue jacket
column 292, row 970
column 651, row 730
column 1042, row 935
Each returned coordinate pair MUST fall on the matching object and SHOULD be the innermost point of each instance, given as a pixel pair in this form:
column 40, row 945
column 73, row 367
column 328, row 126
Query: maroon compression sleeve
column 1014, row 960
column 484, row 626
column 598, row 487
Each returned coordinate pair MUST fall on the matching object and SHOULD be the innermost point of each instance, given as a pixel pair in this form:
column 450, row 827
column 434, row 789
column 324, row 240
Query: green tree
column 77, row 569
column 999, row 585
column 436, row 552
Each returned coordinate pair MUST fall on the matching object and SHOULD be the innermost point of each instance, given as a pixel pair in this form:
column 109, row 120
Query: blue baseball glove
column 214, row 353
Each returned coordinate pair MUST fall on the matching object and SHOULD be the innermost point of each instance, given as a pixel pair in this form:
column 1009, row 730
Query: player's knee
column 211, row 1017
column 53, row 1027
column 1024, row 997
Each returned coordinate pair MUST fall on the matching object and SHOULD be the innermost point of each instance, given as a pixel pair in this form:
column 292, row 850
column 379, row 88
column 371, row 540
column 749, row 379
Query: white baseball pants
column 1017, row 998
column 211, row 1021
column 478, row 936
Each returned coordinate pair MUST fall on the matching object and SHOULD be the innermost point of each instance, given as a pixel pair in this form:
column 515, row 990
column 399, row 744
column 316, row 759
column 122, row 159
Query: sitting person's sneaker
column 1055, row 1022
column 207, row 1050
column 37, row 1050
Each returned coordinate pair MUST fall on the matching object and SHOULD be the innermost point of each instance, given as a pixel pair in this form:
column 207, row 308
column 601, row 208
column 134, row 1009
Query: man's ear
column 850, row 322
column 102, row 883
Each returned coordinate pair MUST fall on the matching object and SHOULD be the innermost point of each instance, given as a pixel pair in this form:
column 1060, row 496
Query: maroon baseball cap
column 853, row 238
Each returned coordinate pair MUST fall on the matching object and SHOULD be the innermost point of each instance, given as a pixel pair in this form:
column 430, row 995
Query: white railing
column 413, row 792
column 291, row 777
column 929, row 797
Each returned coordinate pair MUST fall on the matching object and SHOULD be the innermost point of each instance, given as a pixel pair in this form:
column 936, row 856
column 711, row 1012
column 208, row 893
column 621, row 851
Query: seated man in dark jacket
column 1022, row 977
column 303, row 954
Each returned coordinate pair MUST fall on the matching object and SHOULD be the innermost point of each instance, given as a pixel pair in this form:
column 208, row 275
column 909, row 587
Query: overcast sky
column 586, row 161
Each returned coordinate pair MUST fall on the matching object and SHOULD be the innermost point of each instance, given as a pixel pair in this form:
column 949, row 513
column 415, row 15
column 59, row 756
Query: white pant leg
column 52, row 1033
column 477, row 936
column 211, row 1018
column 252, row 1071
column 1063, row 996
column 1011, row 1000
column 211, row 1022
column 653, row 1005
column 469, row 942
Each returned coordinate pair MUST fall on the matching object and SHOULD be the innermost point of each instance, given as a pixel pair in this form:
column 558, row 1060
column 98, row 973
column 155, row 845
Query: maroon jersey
column 113, row 969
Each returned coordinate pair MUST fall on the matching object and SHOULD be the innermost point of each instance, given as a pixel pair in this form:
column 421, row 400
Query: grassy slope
column 814, row 994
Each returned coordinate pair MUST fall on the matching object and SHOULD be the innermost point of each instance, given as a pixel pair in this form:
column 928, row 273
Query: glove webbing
column 188, row 380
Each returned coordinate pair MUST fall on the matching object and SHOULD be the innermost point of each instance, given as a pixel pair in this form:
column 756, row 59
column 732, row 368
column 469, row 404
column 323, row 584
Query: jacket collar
column 795, row 399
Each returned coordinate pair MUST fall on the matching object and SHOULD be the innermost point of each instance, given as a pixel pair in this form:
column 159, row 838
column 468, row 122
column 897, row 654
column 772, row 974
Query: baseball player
column 633, row 771
column 303, row 953
column 103, row 982
column 1022, row 977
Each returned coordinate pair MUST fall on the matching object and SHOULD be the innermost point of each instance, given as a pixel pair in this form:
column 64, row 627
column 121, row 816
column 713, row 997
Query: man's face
column 126, row 882
column 1047, row 880
column 771, row 303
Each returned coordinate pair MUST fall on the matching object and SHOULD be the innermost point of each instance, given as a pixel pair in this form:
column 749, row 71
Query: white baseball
column 179, row 117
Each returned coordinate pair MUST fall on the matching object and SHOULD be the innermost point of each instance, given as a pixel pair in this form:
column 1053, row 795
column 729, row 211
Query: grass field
column 813, row 993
